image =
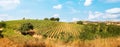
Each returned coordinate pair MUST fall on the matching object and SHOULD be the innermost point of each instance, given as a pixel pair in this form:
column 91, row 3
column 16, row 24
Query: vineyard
column 51, row 29
column 61, row 31
column 67, row 33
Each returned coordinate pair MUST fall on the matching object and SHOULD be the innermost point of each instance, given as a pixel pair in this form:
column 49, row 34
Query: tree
column 46, row 19
column 57, row 19
column 25, row 28
column 23, row 18
column 52, row 19
column 79, row 22
column 2, row 24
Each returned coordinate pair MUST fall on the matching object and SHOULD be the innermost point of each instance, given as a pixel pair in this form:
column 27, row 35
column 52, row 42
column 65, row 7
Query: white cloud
column 112, row 1
column 63, row 20
column 3, row 16
column 75, row 19
column 113, row 10
column 59, row 6
column 88, row 2
column 9, row 4
column 112, row 16
column 93, row 15
column 112, row 13
column 56, row 15
column 108, row 14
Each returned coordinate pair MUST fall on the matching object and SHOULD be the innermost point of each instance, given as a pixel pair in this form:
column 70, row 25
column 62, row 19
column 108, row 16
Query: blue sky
column 66, row 10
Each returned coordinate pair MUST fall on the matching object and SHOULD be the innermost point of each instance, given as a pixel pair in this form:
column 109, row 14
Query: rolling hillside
column 50, row 29
column 62, row 33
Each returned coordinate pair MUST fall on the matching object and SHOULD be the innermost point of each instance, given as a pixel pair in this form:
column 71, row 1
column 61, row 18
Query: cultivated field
column 60, row 34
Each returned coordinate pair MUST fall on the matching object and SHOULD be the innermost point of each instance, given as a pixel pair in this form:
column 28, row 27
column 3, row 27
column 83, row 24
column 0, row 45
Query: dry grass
column 34, row 44
column 4, row 42
column 107, row 42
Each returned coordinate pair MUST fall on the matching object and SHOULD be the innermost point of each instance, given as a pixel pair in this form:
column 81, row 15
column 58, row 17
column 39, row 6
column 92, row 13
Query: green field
column 59, row 31
column 49, row 29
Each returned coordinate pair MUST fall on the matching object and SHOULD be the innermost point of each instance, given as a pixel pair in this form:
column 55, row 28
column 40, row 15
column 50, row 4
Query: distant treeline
column 52, row 19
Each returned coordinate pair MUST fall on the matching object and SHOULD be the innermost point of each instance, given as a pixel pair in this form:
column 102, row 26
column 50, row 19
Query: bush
column 54, row 19
column 79, row 22
column 90, row 28
column 46, row 19
column 25, row 28
column 114, row 30
column 87, row 35
column 2, row 24
column 92, row 31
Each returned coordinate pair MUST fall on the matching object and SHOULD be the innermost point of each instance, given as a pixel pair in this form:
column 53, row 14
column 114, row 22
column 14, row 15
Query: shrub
column 79, row 22
column 114, row 30
column 46, row 19
column 87, row 35
column 25, row 28
column 2, row 24
column 89, row 32
column 92, row 28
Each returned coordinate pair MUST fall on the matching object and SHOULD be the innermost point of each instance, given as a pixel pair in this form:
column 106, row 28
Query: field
column 60, row 34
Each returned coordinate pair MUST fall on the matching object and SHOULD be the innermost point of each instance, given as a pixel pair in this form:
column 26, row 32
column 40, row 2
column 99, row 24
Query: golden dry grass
column 107, row 42
column 4, row 42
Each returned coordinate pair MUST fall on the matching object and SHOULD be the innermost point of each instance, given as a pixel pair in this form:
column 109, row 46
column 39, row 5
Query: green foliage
column 15, row 37
column 65, row 31
column 79, row 22
column 2, row 24
column 92, row 31
column 54, row 19
column 102, row 27
column 104, row 34
column 26, row 27
column 87, row 35
column 57, row 19
column 66, row 37
column 46, row 19
column 114, row 30
column 109, row 31
column 89, row 32
column 90, row 28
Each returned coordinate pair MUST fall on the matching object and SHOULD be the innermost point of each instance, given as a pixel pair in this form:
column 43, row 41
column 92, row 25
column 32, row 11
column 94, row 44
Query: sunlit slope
column 61, row 31
column 50, row 29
